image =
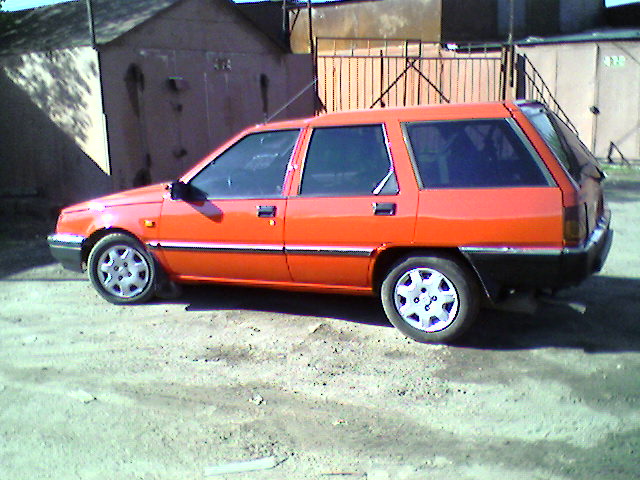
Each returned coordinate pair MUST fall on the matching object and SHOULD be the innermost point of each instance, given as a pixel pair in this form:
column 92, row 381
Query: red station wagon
column 436, row 209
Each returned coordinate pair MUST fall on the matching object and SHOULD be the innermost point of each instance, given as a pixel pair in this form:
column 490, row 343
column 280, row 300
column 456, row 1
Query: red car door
column 228, row 222
column 346, row 207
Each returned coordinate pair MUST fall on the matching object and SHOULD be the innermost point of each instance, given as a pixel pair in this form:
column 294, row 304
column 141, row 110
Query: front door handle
column 266, row 211
column 386, row 209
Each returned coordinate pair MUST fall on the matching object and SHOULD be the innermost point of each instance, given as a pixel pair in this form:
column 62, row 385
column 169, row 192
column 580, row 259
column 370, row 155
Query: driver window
column 254, row 167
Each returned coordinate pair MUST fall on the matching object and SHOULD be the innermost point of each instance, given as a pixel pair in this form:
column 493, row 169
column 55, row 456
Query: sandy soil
column 321, row 386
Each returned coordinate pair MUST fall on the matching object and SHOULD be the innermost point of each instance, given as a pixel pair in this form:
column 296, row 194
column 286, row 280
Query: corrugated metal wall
column 598, row 85
column 377, row 73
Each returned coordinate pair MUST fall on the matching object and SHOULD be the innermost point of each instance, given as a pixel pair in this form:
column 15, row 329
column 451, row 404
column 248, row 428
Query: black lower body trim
column 68, row 253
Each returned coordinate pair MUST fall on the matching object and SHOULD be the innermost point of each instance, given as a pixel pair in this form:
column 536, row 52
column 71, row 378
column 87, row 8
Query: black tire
column 121, row 270
column 444, row 295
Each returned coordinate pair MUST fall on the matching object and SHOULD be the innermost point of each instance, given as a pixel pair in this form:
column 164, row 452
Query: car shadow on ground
column 23, row 255
column 23, row 243
column 611, row 322
column 358, row 309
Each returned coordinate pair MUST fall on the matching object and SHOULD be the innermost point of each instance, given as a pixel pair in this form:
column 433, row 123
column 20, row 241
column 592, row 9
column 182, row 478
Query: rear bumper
column 580, row 262
column 500, row 267
column 67, row 249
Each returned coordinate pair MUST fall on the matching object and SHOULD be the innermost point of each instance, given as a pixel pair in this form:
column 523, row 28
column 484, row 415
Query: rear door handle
column 266, row 210
column 385, row 209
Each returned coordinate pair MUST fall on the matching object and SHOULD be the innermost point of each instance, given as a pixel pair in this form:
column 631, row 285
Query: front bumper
column 539, row 268
column 67, row 249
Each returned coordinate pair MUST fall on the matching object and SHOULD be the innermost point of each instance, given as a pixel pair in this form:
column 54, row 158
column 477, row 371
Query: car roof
column 450, row 111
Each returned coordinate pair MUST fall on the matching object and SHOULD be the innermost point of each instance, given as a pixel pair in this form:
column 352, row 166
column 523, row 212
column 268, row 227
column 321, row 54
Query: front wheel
column 121, row 270
column 431, row 299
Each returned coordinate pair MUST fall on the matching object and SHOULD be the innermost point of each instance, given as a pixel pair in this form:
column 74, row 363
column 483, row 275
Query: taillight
column 575, row 225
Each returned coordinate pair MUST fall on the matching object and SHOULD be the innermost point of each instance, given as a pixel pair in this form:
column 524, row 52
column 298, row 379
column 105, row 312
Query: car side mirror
column 180, row 191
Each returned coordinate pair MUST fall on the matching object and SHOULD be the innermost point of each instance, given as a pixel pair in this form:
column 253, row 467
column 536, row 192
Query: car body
column 438, row 209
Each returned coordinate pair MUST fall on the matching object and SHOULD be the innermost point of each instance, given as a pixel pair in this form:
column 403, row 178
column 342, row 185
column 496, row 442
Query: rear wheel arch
column 388, row 258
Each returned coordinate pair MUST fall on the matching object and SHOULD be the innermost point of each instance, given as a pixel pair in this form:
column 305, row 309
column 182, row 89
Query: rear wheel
column 431, row 299
column 121, row 270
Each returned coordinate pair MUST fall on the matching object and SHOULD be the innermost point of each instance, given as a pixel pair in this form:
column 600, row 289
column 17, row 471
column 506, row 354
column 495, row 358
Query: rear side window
column 352, row 160
column 563, row 142
column 545, row 126
column 472, row 154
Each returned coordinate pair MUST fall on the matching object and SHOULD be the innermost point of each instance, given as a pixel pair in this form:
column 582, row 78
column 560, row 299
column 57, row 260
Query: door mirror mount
column 180, row 191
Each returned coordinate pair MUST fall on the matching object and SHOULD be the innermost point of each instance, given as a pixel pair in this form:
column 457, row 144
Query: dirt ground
column 320, row 386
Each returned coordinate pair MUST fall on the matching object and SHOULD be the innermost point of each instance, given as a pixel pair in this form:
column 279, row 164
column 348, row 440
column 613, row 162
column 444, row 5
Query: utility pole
column 312, row 51
column 508, row 59
column 284, row 18
column 511, row 21
column 311, row 47
column 92, row 25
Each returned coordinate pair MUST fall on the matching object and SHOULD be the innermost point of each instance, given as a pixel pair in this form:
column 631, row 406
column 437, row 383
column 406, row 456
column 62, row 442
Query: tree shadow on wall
column 38, row 156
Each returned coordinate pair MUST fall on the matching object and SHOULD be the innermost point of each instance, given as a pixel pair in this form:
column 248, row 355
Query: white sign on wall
column 614, row 61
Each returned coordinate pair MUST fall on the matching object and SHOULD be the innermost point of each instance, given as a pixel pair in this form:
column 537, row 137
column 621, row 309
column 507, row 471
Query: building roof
column 592, row 36
column 66, row 24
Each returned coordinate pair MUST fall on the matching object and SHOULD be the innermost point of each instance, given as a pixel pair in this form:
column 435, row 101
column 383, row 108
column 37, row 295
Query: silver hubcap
column 123, row 271
column 426, row 299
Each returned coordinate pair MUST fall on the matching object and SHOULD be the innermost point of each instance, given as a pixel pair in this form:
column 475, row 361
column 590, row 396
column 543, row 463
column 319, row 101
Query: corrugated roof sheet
column 66, row 24
column 594, row 36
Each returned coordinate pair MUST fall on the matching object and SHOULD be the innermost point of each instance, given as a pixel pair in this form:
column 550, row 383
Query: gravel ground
column 312, row 386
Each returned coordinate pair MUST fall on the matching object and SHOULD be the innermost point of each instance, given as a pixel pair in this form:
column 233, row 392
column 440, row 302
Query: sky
column 22, row 4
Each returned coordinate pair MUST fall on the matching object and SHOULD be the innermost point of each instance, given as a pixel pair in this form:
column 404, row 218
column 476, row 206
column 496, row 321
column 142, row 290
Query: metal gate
column 375, row 73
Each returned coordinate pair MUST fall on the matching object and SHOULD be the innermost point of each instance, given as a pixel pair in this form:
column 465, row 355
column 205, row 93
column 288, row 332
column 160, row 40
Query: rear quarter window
column 563, row 142
column 472, row 154
column 549, row 131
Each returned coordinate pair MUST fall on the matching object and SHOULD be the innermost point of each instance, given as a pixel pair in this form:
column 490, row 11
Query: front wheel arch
column 122, row 270
column 98, row 235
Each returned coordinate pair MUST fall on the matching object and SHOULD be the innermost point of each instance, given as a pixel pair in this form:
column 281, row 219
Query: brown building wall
column 392, row 19
column 58, row 107
column 226, row 76
column 476, row 21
